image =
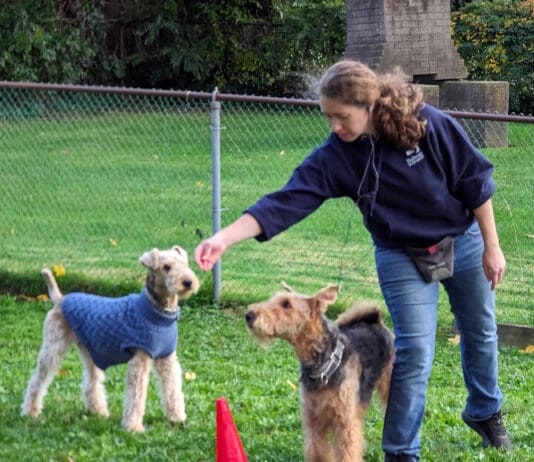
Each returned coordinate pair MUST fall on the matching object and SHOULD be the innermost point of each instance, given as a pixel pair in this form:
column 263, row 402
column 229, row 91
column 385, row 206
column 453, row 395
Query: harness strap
column 325, row 372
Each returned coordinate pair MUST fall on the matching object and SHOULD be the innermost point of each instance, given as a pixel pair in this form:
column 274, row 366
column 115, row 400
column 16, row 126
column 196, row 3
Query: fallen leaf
column 43, row 298
column 113, row 242
column 190, row 376
column 59, row 270
column 292, row 385
column 454, row 340
column 528, row 350
column 26, row 298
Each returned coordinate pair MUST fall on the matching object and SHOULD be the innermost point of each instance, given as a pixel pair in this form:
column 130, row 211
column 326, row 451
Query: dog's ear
column 328, row 293
column 180, row 251
column 287, row 287
column 326, row 296
column 150, row 259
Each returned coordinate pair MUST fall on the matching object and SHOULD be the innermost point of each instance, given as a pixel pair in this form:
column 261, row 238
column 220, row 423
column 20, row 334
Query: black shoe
column 400, row 458
column 491, row 430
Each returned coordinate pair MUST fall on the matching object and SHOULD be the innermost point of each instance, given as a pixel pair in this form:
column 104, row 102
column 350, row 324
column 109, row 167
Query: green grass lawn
column 93, row 192
column 227, row 362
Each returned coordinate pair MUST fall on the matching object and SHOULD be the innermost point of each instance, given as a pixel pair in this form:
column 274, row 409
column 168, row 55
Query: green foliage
column 36, row 47
column 496, row 41
column 245, row 46
column 458, row 4
column 196, row 45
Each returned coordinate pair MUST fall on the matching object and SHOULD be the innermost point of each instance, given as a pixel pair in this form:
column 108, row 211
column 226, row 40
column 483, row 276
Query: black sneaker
column 400, row 458
column 491, row 430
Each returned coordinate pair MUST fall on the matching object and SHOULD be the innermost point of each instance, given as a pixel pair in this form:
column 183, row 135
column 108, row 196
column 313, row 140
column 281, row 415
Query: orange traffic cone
column 228, row 443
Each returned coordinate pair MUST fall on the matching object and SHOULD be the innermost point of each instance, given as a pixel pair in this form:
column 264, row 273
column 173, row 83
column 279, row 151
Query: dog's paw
column 136, row 427
column 179, row 417
column 179, row 423
column 31, row 412
column 100, row 411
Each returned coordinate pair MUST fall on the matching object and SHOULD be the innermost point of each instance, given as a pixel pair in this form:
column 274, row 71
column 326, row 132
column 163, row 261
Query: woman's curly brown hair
column 396, row 102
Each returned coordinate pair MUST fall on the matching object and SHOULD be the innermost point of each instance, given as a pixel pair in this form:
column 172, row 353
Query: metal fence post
column 216, row 184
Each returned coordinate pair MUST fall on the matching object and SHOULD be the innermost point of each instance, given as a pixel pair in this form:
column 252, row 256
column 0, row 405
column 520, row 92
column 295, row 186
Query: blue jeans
column 412, row 303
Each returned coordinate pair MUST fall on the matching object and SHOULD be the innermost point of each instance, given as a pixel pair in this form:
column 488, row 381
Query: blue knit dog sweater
column 110, row 327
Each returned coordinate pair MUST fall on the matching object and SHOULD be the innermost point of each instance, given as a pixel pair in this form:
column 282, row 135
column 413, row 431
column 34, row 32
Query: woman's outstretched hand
column 209, row 251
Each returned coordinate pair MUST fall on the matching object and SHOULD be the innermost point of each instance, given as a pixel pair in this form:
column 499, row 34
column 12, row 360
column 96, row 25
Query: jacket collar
column 153, row 313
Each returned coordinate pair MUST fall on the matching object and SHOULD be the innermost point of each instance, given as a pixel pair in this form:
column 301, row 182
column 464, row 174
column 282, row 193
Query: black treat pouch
column 435, row 262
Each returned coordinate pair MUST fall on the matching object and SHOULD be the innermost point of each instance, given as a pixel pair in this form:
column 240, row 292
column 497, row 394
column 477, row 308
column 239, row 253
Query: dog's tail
column 53, row 290
column 362, row 312
column 368, row 313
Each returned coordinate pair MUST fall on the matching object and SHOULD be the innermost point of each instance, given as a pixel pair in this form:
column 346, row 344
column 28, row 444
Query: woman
column 425, row 195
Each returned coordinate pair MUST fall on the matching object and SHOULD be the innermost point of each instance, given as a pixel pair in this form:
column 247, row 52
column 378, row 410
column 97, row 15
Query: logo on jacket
column 413, row 156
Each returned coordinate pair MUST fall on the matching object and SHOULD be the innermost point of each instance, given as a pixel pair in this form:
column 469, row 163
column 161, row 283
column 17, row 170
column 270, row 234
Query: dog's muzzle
column 250, row 317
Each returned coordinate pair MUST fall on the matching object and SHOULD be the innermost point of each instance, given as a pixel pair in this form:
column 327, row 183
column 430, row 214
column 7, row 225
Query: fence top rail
column 104, row 90
column 490, row 116
column 155, row 92
column 215, row 95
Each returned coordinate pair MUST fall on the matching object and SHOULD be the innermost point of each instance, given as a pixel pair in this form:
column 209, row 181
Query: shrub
column 496, row 41
column 36, row 48
column 242, row 47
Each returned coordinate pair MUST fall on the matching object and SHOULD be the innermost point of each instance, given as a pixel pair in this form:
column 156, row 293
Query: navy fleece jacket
column 407, row 198
column 110, row 327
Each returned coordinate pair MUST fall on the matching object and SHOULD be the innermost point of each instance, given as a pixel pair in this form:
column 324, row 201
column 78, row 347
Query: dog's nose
column 250, row 317
column 187, row 283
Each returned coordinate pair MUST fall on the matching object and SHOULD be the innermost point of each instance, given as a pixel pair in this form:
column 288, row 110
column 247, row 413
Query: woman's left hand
column 494, row 265
column 493, row 260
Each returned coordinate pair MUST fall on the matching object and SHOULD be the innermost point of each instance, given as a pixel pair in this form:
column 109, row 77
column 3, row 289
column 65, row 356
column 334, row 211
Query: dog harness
column 327, row 369
column 111, row 327
column 322, row 370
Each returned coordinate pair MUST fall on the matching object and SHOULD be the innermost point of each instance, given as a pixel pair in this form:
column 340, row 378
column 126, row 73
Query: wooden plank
column 510, row 334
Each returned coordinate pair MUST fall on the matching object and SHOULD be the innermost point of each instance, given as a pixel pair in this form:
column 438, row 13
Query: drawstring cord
column 370, row 164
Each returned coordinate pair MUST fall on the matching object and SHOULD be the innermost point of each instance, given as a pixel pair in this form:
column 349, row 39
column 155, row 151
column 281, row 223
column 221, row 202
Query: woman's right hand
column 209, row 251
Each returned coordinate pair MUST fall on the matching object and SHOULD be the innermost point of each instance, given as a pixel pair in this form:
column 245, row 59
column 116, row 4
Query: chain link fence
column 92, row 177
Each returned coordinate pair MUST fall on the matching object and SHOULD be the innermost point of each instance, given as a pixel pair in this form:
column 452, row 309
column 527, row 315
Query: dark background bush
column 266, row 47
column 259, row 47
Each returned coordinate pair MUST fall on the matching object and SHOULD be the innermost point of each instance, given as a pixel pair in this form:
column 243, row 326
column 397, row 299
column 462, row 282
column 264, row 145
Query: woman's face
column 347, row 121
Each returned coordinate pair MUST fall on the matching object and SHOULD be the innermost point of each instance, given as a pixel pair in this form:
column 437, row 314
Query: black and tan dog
column 342, row 363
